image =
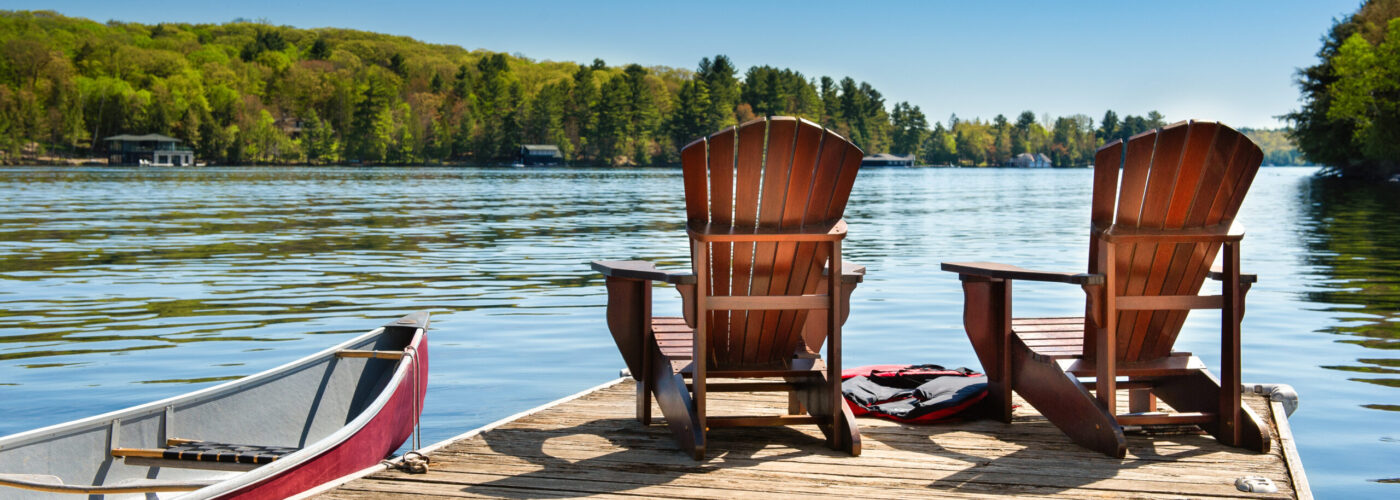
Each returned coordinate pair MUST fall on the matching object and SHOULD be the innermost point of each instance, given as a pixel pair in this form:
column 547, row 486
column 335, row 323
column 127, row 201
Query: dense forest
column 253, row 93
column 1350, row 119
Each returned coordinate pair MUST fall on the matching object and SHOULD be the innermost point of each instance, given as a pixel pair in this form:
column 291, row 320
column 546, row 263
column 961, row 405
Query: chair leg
column 814, row 397
column 644, row 401
column 1065, row 402
column 676, row 405
column 1200, row 391
column 987, row 320
column 997, row 404
column 1141, row 400
column 795, row 404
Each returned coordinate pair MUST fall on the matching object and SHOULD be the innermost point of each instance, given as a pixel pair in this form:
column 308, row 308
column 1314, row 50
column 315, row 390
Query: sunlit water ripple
column 122, row 286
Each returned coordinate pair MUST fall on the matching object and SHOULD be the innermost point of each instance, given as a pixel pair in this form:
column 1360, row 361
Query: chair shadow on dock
column 1029, row 457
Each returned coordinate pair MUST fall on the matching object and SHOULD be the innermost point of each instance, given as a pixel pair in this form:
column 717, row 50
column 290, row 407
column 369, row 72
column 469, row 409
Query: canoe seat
column 209, row 451
column 355, row 353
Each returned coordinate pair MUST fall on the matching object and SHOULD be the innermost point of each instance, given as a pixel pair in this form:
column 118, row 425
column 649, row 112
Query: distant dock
column 590, row 444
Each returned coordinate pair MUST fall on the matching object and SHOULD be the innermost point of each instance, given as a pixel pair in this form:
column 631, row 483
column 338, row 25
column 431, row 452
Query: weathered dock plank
column 592, row 446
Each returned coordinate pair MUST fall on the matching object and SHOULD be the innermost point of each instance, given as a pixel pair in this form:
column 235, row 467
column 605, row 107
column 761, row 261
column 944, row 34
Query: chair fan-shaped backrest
column 773, row 173
column 1186, row 175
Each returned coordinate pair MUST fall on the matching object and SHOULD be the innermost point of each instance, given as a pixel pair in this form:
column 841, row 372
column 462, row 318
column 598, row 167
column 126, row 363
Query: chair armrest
column 1207, row 234
column 850, row 273
column 681, row 278
column 1010, row 272
column 639, row 270
column 1218, row 275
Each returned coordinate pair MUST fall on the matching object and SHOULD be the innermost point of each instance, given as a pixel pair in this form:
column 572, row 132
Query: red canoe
column 269, row 435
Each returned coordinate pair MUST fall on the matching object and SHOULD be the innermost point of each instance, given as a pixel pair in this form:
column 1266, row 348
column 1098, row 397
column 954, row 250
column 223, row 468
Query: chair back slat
column 1186, row 175
column 720, row 170
column 770, row 173
column 748, row 173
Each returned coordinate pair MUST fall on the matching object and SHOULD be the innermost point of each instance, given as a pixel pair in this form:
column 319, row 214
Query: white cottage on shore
column 1028, row 160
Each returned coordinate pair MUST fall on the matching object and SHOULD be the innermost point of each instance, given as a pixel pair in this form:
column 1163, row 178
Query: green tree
column 498, row 97
column 319, row 140
column 976, row 143
column 614, row 120
column 941, row 147
column 690, row 118
column 1108, row 127
column 320, row 50
column 831, row 102
column 266, row 39
column 910, row 129
column 369, row 135
column 545, row 121
column 581, row 113
column 1022, row 133
column 1364, row 99
column 1001, row 140
column 644, row 117
column 723, row 86
column 772, row 91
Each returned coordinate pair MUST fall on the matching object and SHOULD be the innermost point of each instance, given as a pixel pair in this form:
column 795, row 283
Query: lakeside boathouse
column 1028, row 160
column 150, row 149
column 539, row 154
column 887, row 160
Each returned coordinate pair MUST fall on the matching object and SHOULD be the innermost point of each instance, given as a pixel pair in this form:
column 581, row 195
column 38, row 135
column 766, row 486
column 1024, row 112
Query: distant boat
column 296, row 426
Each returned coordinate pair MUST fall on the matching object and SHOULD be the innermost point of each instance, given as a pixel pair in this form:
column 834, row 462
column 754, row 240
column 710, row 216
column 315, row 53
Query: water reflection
column 1350, row 231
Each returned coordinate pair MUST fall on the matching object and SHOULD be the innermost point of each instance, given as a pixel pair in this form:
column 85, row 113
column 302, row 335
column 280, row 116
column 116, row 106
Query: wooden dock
column 590, row 445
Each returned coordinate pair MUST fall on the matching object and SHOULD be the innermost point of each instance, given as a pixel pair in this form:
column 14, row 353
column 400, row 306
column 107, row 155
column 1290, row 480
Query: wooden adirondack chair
column 763, row 207
column 1148, row 256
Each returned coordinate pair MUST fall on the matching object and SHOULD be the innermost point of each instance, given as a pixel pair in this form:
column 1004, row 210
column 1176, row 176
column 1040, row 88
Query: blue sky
column 1228, row 61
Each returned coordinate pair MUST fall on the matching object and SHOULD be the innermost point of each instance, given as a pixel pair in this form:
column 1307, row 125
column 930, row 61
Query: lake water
column 122, row 286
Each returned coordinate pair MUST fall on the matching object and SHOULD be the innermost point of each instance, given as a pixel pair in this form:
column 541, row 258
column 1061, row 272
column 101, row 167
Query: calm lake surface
column 122, row 286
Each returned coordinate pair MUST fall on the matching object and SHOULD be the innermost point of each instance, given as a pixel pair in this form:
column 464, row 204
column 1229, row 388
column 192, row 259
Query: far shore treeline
column 253, row 93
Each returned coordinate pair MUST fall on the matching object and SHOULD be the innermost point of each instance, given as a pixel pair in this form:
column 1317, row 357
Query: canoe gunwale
column 312, row 450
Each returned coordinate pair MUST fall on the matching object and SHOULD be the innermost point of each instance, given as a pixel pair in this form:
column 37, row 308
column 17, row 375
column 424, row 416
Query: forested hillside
column 1278, row 147
column 253, row 93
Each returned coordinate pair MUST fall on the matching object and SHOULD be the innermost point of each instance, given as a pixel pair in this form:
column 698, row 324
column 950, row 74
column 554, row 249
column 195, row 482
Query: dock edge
column 1291, row 458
